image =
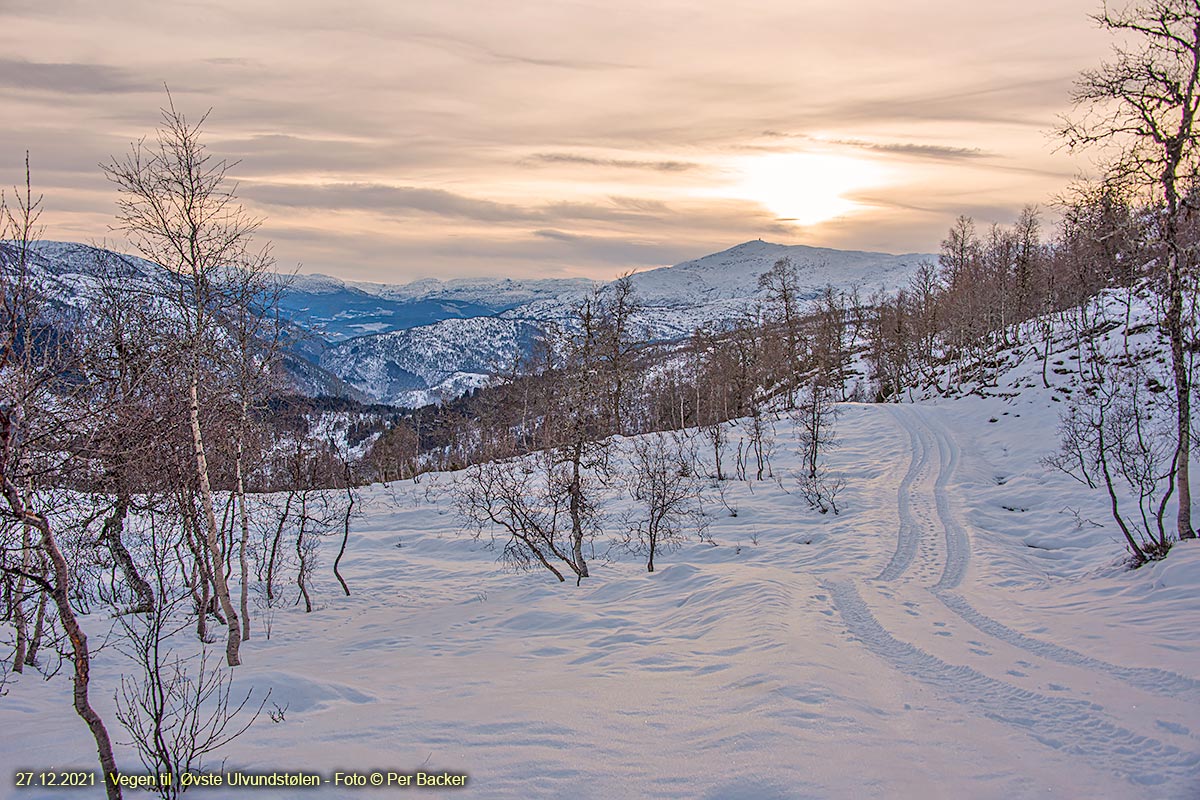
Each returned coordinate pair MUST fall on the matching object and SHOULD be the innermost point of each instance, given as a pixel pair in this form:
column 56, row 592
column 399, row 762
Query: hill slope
column 802, row 656
column 710, row 292
column 431, row 340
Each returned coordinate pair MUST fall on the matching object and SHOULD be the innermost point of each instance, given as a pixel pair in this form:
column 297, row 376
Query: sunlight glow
column 804, row 188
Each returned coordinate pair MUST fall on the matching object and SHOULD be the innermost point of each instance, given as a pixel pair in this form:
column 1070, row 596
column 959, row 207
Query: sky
column 391, row 141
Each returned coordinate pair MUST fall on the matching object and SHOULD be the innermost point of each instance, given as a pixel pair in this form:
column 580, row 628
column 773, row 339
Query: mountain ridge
column 431, row 340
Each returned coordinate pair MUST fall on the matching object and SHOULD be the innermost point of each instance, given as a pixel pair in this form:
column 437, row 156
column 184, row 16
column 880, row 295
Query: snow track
column 931, row 563
column 958, row 550
column 924, row 436
column 958, row 546
column 1157, row 681
column 909, row 534
column 1073, row 726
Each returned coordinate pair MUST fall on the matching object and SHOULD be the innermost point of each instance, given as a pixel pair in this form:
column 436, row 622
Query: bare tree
column 618, row 343
column 30, row 365
column 524, row 498
column 395, row 455
column 123, row 362
column 830, row 345
column 663, row 482
column 1114, row 434
column 781, row 284
column 716, row 436
column 1142, row 107
column 180, row 709
column 815, row 417
column 177, row 207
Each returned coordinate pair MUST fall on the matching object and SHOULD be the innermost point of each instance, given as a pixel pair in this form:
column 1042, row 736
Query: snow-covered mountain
column 415, row 364
column 429, row 363
column 340, row 309
column 733, row 274
column 718, row 288
column 71, row 275
column 430, row 340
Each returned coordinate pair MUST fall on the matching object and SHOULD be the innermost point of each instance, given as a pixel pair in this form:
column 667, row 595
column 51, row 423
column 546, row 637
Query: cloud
column 918, row 149
column 620, row 163
column 940, row 208
column 436, row 139
column 383, row 198
column 546, row 253
column 69, row 78
column 481, row 52
column 284, row 155
column 1029, row 102
column 934, row 151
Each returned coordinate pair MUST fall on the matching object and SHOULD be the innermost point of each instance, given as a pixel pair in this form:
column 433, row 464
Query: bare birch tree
column 30, row 366
column 178, row 208
column 1141, row 108
column 661, row 479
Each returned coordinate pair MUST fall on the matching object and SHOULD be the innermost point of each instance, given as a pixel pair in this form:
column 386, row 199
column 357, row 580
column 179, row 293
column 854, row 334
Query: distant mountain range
column 421, row 342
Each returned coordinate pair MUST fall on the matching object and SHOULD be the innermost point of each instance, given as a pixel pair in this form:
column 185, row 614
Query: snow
column 443, row 360
column 431, row 341
column 952, row 633
column 710, row 292
column 733, row 274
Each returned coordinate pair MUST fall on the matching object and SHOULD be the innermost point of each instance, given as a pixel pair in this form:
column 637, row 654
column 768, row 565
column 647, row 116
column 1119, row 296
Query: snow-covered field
column 964, row 628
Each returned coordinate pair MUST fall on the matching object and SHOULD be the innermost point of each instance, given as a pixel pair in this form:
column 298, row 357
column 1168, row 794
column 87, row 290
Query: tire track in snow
column 1150, row 679
column 1076, row 727
column 1156, row 681
column 909, row 534
column 958, row 546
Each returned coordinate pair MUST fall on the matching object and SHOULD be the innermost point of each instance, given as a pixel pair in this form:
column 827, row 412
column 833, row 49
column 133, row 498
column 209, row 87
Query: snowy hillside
column 340, row 309
column 432, row 340
column 423, row 365
column 733, row 274
column 710, row 292
column 71, row 275
column 955, row 632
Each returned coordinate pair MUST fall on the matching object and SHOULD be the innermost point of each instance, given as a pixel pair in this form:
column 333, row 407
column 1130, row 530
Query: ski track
column 1157, row 681
column 1076, row 727
column 909, row 534
column 958, row 547
column 958, row 552
column 1150, row 679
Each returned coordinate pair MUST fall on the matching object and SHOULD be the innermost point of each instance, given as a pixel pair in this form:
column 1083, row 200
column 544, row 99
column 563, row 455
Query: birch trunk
column 212, row 536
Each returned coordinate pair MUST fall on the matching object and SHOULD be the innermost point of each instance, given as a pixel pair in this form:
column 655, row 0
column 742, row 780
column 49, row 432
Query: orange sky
column 399, row 140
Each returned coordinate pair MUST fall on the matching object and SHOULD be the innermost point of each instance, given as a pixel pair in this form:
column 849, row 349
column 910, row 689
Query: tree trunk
column 274, row 554
column 576, row 507
column 1175, row 333
column 80, row 657
column 111, row 533
column 301, row 558
column 39, row 627
column 1183, row 394
column 244, row 518
column 20, row 622
column 345, row 532
column 211, row 534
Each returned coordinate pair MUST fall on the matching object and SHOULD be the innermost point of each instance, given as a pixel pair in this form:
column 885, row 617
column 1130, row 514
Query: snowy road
column 1063, row 721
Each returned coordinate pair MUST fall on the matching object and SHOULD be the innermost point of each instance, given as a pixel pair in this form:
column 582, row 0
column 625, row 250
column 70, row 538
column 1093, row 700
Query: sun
column 803, row 188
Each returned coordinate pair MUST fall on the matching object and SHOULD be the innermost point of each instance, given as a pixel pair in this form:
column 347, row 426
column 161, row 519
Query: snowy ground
column 962, row 629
